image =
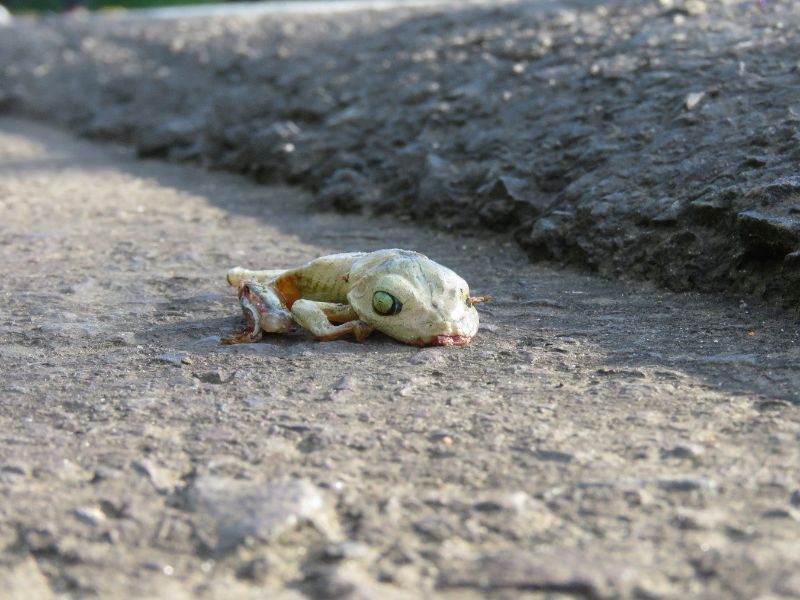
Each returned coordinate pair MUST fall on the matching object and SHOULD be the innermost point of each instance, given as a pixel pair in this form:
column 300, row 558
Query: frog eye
column 385, row 304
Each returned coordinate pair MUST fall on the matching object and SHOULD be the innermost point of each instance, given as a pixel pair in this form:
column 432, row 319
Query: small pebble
column 90, row 515
column 427, row 357
column 690, row 451
column 348, row 549
column 342, row 388
column 173, row 358
column 781, row 513
column 123, row 338
column 216, row 377
column 693, row 99
column 685, row 484
column 255, row 570
column 688, row 518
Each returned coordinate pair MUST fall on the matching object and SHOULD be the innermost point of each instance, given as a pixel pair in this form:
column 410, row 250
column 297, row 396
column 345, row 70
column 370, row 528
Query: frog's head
column 409, row 297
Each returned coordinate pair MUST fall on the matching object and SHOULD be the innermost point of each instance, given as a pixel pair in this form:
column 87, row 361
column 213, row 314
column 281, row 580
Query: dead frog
column 402, row 294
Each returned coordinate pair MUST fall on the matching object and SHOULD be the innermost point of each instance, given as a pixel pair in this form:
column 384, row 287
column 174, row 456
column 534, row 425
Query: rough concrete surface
column 647, row 139
column 596, row 440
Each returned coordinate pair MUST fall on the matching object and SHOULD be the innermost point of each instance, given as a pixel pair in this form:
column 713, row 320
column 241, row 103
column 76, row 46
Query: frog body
column 401, row 293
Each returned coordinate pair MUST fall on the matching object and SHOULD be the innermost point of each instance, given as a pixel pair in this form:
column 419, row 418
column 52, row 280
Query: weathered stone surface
column 257, row 510
column 628, row 137
column 162, row 479
column 22, row 580
column 561, row 570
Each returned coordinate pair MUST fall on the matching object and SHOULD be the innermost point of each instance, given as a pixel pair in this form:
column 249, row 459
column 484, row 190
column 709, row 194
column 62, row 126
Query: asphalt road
column 597, row 439
column 655, row 140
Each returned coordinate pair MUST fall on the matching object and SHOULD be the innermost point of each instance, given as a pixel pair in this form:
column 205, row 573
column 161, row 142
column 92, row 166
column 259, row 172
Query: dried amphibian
column 400, row 293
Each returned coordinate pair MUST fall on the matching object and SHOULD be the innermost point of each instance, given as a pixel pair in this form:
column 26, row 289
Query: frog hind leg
column 319, row 318
column 237, row 276
column 263, row 312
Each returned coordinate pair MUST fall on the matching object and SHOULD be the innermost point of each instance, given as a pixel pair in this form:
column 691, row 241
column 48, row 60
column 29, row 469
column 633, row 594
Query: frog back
column 324, row 279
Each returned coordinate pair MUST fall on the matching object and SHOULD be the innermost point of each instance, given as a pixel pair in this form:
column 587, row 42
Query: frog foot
column 262, row 312
column 360, row 330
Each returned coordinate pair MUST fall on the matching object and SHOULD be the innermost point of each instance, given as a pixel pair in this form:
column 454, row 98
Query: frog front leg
column 319, row 318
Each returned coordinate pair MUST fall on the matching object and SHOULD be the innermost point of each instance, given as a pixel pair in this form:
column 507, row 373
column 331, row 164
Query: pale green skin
column 339, row 288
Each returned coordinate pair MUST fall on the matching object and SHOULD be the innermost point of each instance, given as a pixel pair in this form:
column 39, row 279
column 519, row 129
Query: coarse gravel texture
column 596, row 440
column 640, row 139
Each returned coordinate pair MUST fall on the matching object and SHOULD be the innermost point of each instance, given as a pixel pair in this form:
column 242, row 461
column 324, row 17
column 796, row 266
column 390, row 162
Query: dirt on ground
column 596, row 440
column 651, row 139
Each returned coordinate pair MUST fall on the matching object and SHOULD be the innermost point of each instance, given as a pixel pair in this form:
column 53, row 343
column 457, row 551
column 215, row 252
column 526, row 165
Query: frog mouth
column 449, row 340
